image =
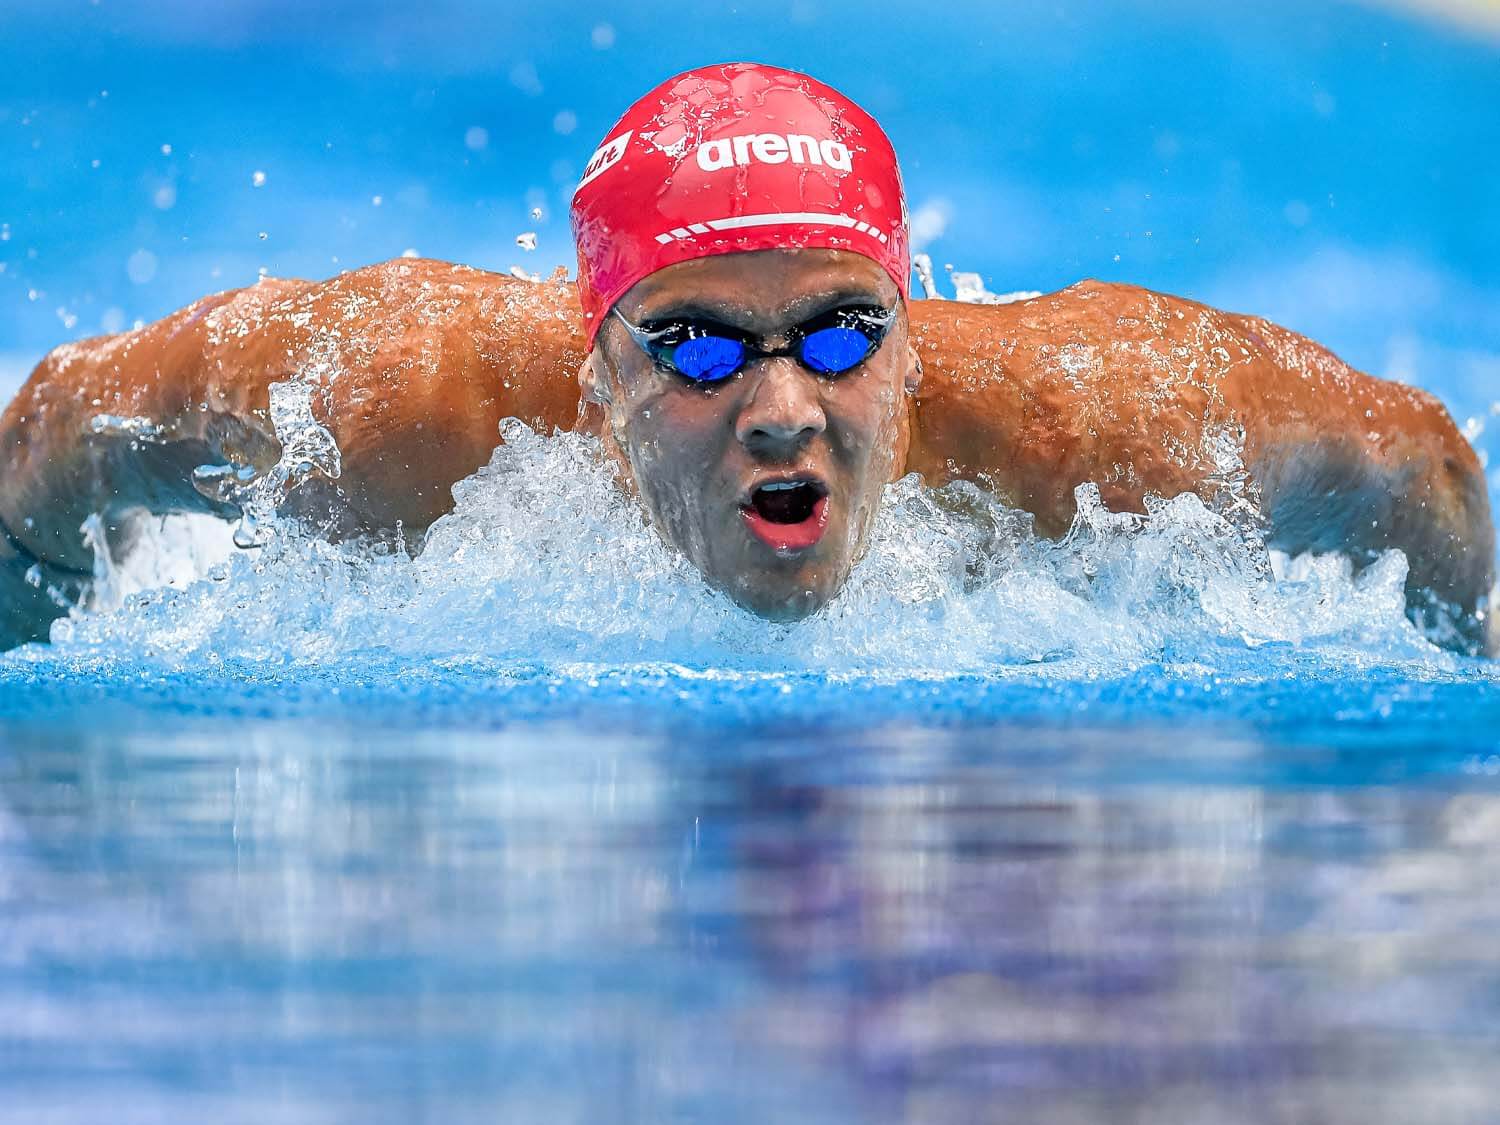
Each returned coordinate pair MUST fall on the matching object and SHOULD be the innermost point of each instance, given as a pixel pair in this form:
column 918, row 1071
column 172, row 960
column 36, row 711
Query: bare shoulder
column 413, row 363
column 398, row 318
column 1099, row 382
column 416, row 362
column 404, row 347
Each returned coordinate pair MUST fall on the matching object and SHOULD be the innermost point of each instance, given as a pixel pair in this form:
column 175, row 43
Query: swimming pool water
column 547, row 894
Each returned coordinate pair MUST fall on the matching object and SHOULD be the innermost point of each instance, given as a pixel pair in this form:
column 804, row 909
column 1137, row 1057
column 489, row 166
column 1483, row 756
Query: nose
column 783, row 410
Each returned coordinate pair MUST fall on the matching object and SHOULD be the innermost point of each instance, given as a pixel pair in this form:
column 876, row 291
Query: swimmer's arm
column 56, row 472
column 414, row 363
column 1351, row 463
column 59, row 468
column 1121, row 387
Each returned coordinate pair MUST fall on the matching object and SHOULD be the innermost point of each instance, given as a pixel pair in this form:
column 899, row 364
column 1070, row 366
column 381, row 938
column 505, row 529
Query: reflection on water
column 547, row 924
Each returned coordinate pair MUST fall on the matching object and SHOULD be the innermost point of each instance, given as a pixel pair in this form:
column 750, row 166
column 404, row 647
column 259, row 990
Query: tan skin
column 417, row 361
column 694, row 453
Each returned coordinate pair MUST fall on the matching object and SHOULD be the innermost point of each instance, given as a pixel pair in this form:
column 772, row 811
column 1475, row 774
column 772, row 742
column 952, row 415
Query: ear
column 593, row 381
column 913, row 370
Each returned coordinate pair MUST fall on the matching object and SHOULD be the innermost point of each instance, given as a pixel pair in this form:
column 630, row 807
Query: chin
column 780, row 598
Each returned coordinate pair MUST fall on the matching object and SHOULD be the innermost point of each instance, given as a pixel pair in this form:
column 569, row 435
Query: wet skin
column 416, row 362
column 697, row 453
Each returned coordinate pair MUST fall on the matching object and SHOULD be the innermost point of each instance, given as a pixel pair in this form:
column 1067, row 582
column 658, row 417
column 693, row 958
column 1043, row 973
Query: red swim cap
column 729, row 158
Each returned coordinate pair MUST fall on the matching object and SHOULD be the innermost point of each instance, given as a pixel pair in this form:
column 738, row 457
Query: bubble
column 257, row 179
column 565, row 122
column 602, row 37
column 140, row 267
column 523, row 77
column 527, row 240
column 929, row 221
column 476, row 138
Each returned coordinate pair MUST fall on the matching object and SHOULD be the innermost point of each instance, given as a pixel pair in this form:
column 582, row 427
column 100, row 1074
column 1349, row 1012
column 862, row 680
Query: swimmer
column 742, row 339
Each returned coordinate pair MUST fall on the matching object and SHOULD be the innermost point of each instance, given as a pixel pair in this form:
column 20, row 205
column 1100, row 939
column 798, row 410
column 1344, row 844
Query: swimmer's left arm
column 1348, row 462
column 1134, row 391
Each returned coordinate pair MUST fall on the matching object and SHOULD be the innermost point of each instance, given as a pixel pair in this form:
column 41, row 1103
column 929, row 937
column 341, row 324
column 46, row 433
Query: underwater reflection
column 552, row 923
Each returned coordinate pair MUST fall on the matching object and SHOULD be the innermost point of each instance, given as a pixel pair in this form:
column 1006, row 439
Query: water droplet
column 135, row 427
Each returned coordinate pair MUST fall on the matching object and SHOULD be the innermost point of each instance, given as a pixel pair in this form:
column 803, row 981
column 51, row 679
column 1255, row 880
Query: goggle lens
column 832, row 350
column 709, row 358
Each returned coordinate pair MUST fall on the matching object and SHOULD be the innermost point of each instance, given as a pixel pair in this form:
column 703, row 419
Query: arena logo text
column 772, row 148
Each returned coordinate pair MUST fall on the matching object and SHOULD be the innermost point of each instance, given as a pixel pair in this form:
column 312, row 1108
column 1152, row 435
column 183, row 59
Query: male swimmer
column 742, row 340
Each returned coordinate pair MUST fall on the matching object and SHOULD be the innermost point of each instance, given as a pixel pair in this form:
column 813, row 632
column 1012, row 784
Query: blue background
column 1333, row 166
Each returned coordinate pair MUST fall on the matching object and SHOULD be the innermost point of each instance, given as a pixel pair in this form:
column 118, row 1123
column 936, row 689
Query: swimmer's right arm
column 414, row 364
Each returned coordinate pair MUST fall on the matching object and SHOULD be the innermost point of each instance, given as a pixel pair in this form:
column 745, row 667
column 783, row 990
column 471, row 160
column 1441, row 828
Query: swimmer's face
column 768, row 480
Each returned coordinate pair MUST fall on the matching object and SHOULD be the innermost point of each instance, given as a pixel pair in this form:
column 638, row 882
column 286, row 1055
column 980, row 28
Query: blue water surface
column 469, row 892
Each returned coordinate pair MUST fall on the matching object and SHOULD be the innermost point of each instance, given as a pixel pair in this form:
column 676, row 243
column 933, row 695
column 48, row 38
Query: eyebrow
column 735, row 315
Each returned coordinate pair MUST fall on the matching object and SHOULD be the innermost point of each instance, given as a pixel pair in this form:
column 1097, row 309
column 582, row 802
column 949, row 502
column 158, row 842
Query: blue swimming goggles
column 707, row 352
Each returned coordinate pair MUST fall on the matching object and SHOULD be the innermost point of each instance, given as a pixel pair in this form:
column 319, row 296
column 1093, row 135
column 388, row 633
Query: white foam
column 544, row 559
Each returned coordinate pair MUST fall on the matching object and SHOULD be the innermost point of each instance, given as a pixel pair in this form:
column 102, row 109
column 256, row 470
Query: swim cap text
column 772, row 148
column 605, row 157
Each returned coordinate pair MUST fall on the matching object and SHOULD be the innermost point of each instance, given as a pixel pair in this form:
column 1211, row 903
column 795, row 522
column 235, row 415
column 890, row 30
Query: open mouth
column 787, row 515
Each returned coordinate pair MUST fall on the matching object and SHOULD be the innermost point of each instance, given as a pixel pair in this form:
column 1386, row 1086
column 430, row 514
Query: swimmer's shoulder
column 1089, row 331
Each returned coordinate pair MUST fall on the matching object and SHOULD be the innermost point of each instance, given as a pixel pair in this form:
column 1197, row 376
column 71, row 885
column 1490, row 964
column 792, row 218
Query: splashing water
column 137, row 429
column 968, row 288
column 544, row 559
column 308, row 450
